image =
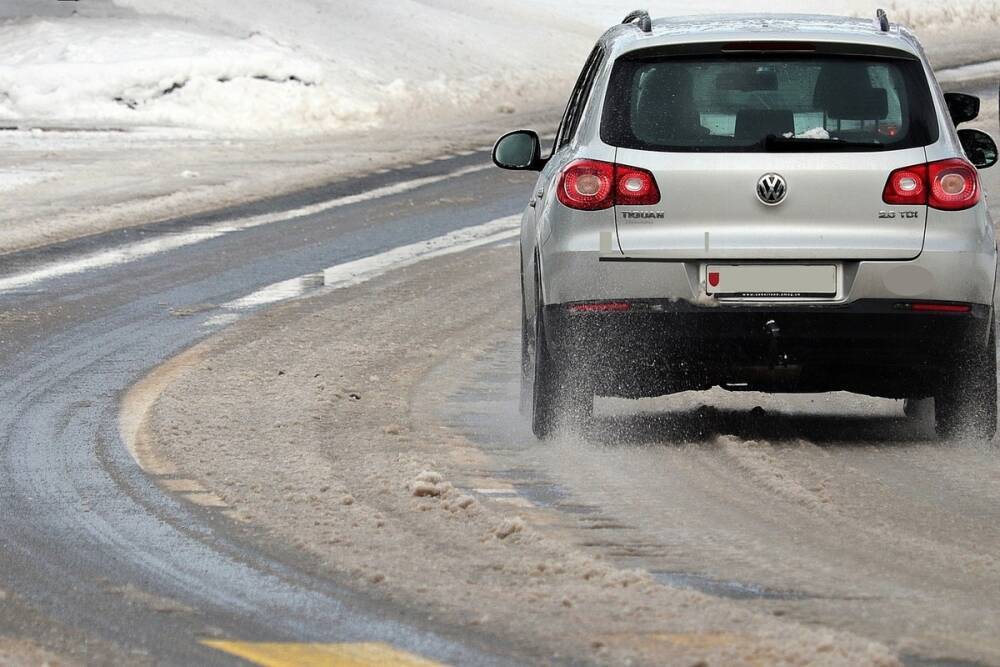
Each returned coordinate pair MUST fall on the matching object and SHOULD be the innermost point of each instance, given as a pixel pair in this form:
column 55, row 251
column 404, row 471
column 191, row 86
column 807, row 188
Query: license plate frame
column 772, row 281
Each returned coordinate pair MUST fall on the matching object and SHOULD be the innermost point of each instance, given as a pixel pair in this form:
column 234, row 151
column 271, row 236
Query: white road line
column 139, row 250
column 367, row 268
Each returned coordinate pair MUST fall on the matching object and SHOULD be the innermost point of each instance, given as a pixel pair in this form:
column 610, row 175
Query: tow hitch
column 776, row 358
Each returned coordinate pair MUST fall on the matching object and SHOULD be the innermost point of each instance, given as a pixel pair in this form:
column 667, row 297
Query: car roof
column 760, row 27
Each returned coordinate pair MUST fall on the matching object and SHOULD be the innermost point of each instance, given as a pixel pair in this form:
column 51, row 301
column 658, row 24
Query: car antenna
column 883, row 20
column 642, row 16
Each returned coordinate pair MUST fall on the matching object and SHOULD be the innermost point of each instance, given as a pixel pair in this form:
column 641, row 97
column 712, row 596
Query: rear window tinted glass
column 768, row 103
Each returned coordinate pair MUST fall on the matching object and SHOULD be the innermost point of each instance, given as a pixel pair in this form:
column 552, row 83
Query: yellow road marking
column 205, row 499
column 182, row 485
column 320, row 655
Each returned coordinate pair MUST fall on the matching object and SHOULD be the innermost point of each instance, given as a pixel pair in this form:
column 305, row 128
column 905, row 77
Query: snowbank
column 308, row 66
column 123, row 72
column 268, row 68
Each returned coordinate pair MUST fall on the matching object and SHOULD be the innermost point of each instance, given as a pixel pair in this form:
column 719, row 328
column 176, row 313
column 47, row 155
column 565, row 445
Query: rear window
column 768, row 102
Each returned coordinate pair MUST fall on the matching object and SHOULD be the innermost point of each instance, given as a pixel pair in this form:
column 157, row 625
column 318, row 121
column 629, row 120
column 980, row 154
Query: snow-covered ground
column 192, row 104
column 315, row 66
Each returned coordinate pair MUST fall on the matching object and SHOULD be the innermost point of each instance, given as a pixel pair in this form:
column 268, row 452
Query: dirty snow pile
column 108, row 72
column 265, row 68
column 313, row 66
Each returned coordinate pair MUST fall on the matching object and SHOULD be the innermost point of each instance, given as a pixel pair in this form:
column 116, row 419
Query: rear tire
column 543, row 409
column 919, row 409
column 966, row 406
column 561, row 396
column 527, row 362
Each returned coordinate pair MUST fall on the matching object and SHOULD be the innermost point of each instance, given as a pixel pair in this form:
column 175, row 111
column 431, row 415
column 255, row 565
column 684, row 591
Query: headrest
column 844, row 91
column 666, row 85
column 665, row 108
column 839, row 79
column 758, row 123
column 862, row 104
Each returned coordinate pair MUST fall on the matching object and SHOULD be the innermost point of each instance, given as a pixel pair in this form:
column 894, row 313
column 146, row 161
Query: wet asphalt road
column 101, row 564
column 109, row 568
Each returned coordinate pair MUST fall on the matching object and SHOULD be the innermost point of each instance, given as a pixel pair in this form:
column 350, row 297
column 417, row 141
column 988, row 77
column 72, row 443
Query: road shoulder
column 299, row 425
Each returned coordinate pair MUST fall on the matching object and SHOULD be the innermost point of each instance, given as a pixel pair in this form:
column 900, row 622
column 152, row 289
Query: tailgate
column 832, row 207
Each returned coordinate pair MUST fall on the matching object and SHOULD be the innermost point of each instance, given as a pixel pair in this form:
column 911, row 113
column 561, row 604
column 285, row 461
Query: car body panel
column 833, row 208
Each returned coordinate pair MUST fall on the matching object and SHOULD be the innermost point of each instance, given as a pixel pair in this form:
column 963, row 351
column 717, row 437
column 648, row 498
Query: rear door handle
column 538, row 195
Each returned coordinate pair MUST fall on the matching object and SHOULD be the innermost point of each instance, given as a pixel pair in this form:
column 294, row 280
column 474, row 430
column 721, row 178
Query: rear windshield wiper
column 775, row 143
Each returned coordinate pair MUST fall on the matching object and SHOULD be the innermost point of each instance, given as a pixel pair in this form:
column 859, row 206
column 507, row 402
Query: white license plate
column 772, row 280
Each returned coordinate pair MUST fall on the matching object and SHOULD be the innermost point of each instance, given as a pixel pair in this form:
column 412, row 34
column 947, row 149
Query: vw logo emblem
column 771, row 189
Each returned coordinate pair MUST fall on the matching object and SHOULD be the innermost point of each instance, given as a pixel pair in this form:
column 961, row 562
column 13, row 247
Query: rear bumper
column 953, row 274
column 877, row 347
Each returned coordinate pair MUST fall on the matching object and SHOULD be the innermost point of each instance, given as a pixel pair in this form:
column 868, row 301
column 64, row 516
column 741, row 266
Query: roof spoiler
column 640, row 16
column 883, row 20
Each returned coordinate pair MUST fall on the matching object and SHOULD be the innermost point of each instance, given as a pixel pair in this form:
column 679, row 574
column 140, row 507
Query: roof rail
column 642, row 16
column 883, row 20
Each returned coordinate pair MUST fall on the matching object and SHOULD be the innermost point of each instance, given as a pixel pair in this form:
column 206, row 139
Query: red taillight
column 907, row 186
column 739, row 47
column 948, row 185
column 587, row 185
column 602, row 307
column 636, row 187
column 954, row 185
column 940, row 308
column 592, row 185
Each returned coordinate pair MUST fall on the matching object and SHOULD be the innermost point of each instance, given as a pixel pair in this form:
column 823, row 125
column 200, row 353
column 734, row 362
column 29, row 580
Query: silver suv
column 767, row 203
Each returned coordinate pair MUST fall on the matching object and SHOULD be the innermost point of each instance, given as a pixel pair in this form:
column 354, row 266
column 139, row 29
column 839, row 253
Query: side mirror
column 962, row 107
column 519, row 151
column 979, row 147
